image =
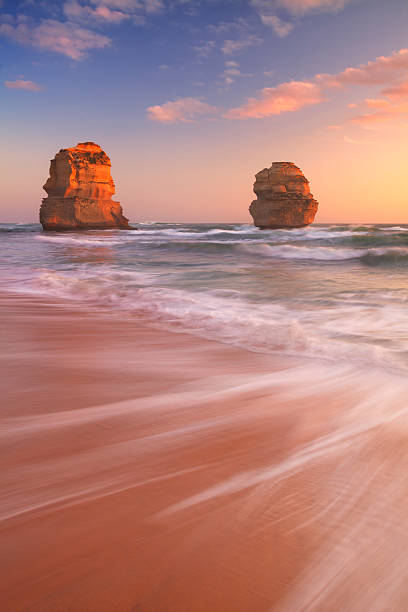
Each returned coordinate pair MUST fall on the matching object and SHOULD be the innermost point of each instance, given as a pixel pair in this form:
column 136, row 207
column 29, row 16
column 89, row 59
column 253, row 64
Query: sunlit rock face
column 80, row 189
column 283, row 198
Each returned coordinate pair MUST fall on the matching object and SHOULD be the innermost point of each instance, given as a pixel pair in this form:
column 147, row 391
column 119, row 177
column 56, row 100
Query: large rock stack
column 283, row 198
column 80, row 189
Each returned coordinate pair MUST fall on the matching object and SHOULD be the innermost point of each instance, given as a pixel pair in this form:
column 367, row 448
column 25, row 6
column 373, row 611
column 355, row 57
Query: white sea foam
column 95, row 241
column 396, row 228
column 364, row 333
column 171, row 233
column 282, row 234
column 237, row 293
column 320, row 253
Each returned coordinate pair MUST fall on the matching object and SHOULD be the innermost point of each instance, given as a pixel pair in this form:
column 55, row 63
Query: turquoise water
column 337, row 292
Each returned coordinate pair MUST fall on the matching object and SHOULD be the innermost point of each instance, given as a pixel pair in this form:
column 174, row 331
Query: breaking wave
column 347, row 332
column 326, row 291
column 321, row 253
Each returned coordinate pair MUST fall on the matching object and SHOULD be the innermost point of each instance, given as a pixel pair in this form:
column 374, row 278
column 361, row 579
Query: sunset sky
column 190, row 98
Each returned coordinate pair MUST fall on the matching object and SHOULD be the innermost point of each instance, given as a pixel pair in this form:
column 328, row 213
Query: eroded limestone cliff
column 283, row 198
column 80, row 189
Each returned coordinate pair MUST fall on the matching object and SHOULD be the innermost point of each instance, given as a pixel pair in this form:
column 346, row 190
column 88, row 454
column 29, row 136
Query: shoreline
column 49, row 324
column 148, row 470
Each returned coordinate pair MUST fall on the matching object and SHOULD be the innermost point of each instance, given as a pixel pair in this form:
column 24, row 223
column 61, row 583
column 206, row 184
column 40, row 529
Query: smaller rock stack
column 80, row 189
column 283, row 198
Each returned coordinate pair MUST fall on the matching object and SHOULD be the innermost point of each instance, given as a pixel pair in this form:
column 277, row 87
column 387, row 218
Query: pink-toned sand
column 149, row 471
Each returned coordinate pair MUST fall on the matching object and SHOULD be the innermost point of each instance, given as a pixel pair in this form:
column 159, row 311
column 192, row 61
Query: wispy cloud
column 284, row 98
column 380, row 111
column 379, row 72
column 294, row 95
column 183, row 110
column 230, row 47
column 376, row 103
column 112, row 11
column 205, row 48
column 393, row 103
column 282, row 28
column 154, row 6
column 372, row 119
column 239, row 24
column 130, row 6
column 123, row 5
column 397, row 91
column 355, row 141
column 76, row 11
column 301, row 7
column 22, row 84
column 75, row 36
column 231, row 72
column 66, row 38
column 282, row 15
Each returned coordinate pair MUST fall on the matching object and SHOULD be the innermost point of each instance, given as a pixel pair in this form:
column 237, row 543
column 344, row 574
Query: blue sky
column 208, row 91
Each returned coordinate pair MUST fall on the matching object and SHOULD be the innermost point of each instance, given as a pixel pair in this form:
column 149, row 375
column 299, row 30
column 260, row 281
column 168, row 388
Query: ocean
column 335, row 292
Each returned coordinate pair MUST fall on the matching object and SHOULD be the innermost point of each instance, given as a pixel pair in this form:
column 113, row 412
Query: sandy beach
column 204, row 306
column 147, row 470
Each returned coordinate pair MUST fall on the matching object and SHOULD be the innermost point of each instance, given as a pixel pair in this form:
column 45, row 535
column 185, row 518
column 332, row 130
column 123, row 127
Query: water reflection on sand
column 144, row 470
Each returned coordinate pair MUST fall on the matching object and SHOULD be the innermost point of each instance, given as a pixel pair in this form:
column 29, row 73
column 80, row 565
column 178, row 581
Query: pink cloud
column 381, row 111
column 292, row 96
column 123, row 5
column 66, row 38
column 295, row 95
column 301, row 7
column 286, row 97
column 376, row 103
column 355, row 141
column 130, row 6
column 183, row 110
column 368, row 120
column 394, row 103
column 378, row 72
column 21, row 84
column 398, row 91
column 71, row 37
column 74, row 10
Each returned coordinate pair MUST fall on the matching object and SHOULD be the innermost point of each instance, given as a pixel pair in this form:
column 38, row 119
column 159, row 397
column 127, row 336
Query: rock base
column 75, row 213
column 283, row 213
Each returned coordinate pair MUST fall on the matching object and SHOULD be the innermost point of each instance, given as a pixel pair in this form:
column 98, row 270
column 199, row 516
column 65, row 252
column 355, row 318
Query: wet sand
column 147, row 470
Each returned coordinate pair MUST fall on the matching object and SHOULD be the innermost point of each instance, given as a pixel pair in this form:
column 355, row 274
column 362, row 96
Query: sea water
column 335, row 292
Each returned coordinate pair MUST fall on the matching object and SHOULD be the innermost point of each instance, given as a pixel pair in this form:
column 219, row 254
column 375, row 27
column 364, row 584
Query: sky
column 190, row 98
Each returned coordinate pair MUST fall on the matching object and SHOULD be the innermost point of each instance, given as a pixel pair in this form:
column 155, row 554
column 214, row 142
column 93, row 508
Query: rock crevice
column 283, row 198
column 80, row 190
